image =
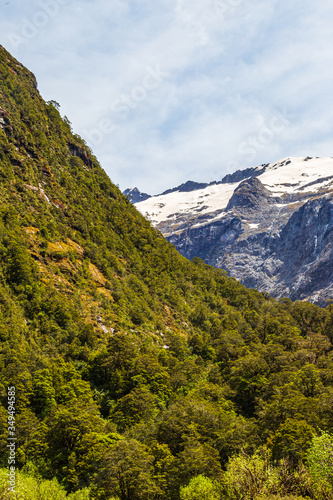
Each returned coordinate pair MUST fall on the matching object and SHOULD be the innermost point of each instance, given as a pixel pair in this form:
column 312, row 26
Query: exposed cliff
column 272, row 231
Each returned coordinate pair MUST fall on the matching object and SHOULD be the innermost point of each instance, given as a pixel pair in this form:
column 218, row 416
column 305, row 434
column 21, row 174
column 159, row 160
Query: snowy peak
column 294, row 175
column 270, row 226
column 188, row 186
column 291, row 177
column 240, row 175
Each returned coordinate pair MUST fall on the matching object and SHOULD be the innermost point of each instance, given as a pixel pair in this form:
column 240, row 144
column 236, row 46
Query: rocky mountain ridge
column 134, row 195
column 272, row 230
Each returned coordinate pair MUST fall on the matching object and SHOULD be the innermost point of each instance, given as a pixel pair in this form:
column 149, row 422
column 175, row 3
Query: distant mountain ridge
column 134, row 195
column 246, row 224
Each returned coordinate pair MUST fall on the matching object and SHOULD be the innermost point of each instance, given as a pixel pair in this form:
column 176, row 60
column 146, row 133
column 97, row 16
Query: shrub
column 200, row 488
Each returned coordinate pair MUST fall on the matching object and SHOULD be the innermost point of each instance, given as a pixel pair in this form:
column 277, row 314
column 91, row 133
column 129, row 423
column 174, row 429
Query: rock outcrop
column 272, row 231
column 135, row 196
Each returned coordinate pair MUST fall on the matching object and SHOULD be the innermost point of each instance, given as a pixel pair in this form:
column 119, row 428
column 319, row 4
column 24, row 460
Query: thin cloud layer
column 176, row 90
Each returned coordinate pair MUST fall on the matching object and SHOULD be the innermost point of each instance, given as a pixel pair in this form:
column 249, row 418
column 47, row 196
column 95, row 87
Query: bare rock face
column 134, row 195
column 249, row 194
column 306, row 247
column 272, row 231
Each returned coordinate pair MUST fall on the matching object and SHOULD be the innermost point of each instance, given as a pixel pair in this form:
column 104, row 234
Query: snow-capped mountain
column 271, row 226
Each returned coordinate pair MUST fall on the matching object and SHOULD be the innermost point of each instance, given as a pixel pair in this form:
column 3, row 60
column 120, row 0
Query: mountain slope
column 271, row 230
column 133, row 369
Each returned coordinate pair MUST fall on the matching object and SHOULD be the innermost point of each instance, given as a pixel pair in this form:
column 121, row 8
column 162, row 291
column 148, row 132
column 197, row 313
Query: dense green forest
column 139, row 374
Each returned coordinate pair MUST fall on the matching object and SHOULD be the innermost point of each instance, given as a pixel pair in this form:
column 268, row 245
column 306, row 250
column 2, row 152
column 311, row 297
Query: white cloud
column 233, row 68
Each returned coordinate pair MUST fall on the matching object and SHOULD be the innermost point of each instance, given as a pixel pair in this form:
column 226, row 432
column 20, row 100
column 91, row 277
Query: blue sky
column 173, row 90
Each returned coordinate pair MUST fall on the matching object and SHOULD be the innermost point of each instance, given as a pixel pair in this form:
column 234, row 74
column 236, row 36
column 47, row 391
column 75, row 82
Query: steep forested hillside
column 139, row 374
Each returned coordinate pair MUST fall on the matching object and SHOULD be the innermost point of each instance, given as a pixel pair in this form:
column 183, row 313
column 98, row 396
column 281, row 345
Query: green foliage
column 248, row 477
column 292, row 440
column 138, row 373
column 136, row 406
column 320, row 463
column 200, row 488
column 34, row 488
column 127, row 473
